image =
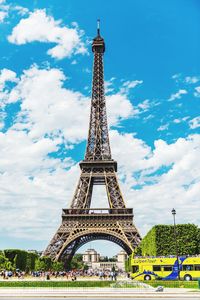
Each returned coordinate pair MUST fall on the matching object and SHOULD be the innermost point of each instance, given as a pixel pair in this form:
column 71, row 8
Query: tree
column 128, row 264
column 112, row 259
column 77, row 262
column 31, row 261
column 43, row 264
column 57, row 266
column 160, row 241
column 113, row 269
column 17, row 257
column 5, row 264
column 104, row 258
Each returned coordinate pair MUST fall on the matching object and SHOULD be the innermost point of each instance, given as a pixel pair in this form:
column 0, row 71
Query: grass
column 92, row 284
column 174, row 284
column 55, row 284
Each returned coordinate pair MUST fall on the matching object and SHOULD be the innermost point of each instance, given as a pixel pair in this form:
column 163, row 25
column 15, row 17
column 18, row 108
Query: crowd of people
column 67, row 275
column 10, row 274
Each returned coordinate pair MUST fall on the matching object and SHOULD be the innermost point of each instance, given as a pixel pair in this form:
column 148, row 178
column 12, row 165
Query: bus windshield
column 135, row 269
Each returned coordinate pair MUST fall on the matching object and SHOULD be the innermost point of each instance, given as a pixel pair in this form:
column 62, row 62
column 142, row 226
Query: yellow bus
column 165, row 268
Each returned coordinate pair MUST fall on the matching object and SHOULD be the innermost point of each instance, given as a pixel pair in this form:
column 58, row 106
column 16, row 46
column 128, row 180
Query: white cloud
column 177, row 95
column 52, row 116
column 36, row 183
column 3, row 15
column 177, row 121
column 119, row 107
column 192, row 79
column 194, row 123
column 144, row 106
column 74, row 62
column 149, row 117
column 188, row 79
column 42, row 94
column 180, row 120
column 131, row 84
column 43, row 97
column 108, row 85
column 129, row 151
column 176, row 77
column 19, row 142
column 163, row 127
column 21, row 10
column 127, row 85
column 6, row 75
column 178, row 186
column 197, row 91
column 43, row 28
column 6, row 9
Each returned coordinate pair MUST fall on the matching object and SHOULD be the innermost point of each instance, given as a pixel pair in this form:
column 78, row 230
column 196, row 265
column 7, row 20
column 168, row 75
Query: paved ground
column 110, row 298
column 96, row 293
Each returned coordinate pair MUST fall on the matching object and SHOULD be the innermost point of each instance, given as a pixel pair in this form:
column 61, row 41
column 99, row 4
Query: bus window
column 188, row 267
column 157, row 268
column 197, row 267
column 135, row 269
column 167, row 268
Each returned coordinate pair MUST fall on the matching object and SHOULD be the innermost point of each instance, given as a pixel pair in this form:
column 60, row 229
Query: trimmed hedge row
column 101, row 284
column 160, row 241
column 20, row 259
column 173, row 284
column 12, row 259
column 55, row 284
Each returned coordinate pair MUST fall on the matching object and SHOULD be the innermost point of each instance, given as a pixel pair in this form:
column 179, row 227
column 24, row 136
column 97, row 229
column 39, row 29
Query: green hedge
column 27, row 261
column 17, row 258
column 55, row 284
column 21, row 259
column 160, row 241
column 102, row 284
column 173, row 284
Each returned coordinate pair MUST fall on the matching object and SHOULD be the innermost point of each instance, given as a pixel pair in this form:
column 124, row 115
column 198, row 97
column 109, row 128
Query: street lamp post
column 175, row 236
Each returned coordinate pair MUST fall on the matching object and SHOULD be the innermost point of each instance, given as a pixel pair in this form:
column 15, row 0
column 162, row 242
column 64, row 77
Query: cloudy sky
column 152, row 80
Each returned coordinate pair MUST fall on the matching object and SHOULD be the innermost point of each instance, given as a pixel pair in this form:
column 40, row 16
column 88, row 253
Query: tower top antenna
column 98, row 27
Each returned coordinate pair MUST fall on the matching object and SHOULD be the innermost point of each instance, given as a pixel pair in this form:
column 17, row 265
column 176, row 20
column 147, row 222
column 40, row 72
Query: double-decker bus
column 165, row 268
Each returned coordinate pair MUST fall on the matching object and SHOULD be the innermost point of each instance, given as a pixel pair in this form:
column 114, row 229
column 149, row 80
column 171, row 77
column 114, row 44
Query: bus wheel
column 188, row 277
column 147, row 277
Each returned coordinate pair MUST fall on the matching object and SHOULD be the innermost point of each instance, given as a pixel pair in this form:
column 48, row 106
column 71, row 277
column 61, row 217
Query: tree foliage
column 43, row 264
column 18, row 258
column 21, row 259
column 31, row 261
column 12, row 259
column 57, row 266
column 5, row 264
column 160, row 241
column 77, row 262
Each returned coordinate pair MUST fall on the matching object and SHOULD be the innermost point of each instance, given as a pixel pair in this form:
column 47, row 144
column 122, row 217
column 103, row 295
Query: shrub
column 160, row 241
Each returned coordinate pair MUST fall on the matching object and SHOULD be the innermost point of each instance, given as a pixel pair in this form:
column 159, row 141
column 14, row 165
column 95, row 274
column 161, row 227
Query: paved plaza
column 107, row 298
column 96, row 293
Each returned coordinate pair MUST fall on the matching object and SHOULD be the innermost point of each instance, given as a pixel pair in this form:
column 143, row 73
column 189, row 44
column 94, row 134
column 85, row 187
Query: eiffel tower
column 81, row 223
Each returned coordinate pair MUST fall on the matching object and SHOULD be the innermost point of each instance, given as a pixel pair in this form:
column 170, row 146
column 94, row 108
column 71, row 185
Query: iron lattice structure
column 80, row 223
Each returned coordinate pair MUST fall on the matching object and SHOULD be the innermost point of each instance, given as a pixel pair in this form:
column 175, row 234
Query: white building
column 121, row 258
column 90, row 256
column 92, row 259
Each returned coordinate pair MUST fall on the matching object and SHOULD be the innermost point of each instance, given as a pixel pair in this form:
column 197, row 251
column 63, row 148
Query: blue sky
column 152, row 79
